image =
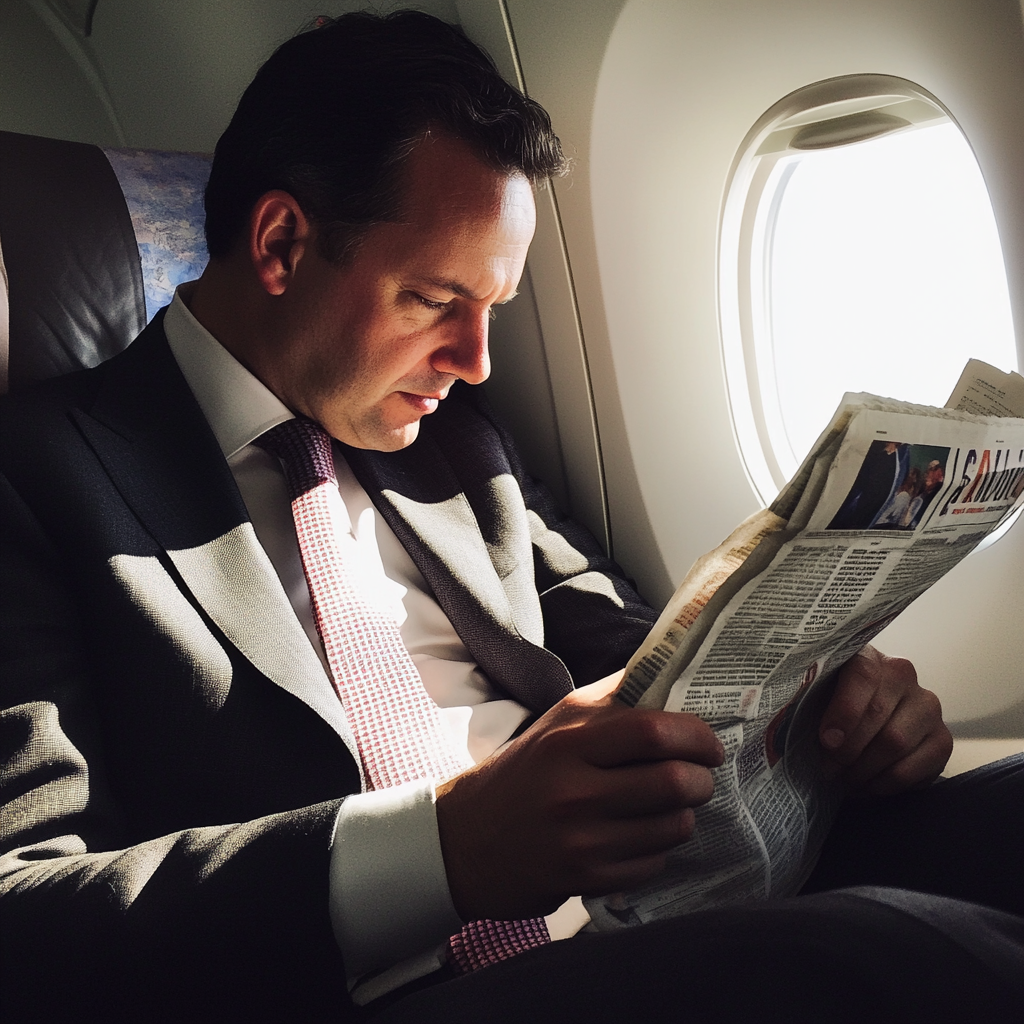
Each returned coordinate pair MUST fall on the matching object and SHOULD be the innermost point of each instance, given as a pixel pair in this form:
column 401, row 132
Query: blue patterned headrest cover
column 164, row 193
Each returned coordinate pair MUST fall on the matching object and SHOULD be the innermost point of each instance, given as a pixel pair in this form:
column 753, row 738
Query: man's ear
column 279, row 235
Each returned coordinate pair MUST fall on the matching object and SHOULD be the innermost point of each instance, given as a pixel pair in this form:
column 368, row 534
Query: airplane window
column 885, row 274
column 868, row 259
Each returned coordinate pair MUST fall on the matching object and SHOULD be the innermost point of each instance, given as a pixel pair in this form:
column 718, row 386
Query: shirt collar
column 238, row 407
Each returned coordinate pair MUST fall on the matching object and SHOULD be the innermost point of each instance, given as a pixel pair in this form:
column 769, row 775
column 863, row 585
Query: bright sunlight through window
column 883, row 273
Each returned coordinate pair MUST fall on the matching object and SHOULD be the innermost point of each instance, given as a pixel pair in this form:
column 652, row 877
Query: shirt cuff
column 389, row 895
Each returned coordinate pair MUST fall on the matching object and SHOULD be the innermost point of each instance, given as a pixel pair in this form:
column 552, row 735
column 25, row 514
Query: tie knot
column 305, row 449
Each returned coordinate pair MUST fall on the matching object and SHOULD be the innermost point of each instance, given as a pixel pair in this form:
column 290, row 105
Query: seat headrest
column 92, row 243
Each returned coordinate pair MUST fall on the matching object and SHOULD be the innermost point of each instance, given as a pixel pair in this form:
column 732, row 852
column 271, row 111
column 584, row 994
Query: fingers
column 868, row 689
column 624, row 854
column 640, row 790
column 630, row 792
column 526, row 860
column 587, row 800
column 918, row 768
column 912, row 740
column 881, row 731
column 602, row 856
column 621, row 735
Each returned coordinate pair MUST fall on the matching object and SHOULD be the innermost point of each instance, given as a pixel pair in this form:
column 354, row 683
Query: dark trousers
column 914, row 913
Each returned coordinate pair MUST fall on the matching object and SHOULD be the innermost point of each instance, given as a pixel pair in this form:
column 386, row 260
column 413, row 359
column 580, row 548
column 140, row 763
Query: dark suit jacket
column 173, row 756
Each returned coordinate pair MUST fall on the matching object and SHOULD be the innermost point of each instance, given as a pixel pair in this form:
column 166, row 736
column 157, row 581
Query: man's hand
column 587, row 801
column 881, row 733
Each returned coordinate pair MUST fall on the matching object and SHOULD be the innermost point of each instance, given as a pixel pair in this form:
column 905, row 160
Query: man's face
column 373, row 346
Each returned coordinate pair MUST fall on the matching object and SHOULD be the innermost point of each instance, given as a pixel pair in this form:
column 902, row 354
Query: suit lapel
column 153, row 441
column 422, row 498
column 438, row 525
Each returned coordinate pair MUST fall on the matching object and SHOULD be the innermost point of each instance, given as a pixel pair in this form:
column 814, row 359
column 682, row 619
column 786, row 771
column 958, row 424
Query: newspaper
column 889, row 499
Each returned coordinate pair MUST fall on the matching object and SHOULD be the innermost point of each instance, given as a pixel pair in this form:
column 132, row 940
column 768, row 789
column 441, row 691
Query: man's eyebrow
column 461, row 290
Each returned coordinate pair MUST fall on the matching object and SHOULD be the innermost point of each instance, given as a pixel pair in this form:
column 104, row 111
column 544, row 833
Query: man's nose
column 465, row 353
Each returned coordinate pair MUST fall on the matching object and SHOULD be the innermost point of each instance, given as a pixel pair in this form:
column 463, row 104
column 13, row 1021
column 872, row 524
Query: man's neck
column 226, row 303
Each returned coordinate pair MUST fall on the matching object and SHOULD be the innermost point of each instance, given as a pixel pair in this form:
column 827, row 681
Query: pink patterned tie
column 397, row 726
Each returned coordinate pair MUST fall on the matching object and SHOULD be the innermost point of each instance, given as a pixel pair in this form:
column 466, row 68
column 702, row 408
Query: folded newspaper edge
column 889, row 499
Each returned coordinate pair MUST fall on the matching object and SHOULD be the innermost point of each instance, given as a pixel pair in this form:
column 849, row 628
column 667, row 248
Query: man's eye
column 431, row 303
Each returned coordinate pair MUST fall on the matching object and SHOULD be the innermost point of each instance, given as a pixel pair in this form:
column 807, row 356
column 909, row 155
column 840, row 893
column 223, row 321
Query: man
column 184, row 750
column 934, row 477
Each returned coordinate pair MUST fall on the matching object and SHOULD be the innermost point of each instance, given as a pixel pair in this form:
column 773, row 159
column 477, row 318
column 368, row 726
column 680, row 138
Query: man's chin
column 402, row 438
column 373, row 432
column 388, row 439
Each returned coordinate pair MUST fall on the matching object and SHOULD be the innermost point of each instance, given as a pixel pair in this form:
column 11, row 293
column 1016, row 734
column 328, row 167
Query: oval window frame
column 834, row 112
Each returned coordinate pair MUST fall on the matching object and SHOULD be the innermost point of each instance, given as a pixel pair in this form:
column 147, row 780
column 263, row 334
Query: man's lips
column 423, row 404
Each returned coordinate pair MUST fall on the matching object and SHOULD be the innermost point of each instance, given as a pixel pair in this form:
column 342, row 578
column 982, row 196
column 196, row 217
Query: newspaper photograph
column 890, row 498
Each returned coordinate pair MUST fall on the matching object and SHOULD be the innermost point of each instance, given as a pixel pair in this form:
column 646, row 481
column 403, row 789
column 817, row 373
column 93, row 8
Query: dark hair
column 331, row 116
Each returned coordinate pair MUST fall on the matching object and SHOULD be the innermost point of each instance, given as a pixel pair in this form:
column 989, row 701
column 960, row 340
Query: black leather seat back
column 87, row 236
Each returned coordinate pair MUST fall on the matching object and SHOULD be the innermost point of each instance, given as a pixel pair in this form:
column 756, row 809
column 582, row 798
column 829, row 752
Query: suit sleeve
column 594, row 619
column 223, row 922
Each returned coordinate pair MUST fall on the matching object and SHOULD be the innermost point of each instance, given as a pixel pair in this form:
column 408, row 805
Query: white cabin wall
column 43, row 91
column 656, row 97
column 561, row 48
column 176, row 70
column 152, row 74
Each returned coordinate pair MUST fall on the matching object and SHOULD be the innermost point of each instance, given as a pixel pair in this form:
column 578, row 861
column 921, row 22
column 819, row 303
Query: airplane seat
column 93, row 242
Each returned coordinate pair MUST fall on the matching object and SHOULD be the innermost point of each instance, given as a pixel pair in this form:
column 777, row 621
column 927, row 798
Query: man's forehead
column 443, row 176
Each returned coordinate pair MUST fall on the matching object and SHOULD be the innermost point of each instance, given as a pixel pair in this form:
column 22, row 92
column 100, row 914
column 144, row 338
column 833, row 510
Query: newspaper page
column 890, row 498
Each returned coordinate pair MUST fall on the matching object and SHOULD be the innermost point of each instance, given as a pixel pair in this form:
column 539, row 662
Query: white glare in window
column 885, row 274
